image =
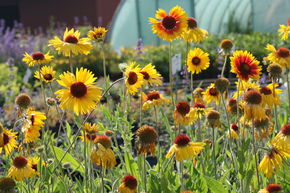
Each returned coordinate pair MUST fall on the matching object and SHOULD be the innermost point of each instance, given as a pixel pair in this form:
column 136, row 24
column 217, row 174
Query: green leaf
column 214, row 185
column 131, row 165
column 68, row 158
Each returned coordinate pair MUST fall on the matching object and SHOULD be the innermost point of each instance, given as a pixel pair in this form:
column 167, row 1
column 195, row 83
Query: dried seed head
column 226, row 44
column 147, row 135
column 275, row 70
column 222, row 84
column 253, row 97
column 23, row 100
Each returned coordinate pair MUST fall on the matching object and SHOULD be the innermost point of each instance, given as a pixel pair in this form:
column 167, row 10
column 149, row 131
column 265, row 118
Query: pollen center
column 37, row 56
column 266, row 91
column 78, row 89
column 20, row 162
column 191, row 22
column 5, row 138
column 130, row 182
column 71, row 39
column 154, row 95
column 195, row 61
column 183, row 107
column 283, row 52
column 286, row 129
column 182, row 140
column 145, row 75
column 47, row 76
column 199, row 105
column 169, row 22
column 132, row 79
column 213, row 91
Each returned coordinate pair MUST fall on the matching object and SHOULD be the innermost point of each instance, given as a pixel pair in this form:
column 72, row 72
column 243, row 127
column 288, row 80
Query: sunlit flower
column 282, row 139
column 80, row 94
column 21, row 169
column 244, row 86
column 270, row 95
column 102, row 154
column 90, row 131
column 36, row 58
column 129, row 184
column 226, row 46
column 146, row 140
column 245, row 65
column 280, row 56
column 213, row 118
column 183, row 113
column 271, row 188
column 271, row 163
column 284, row 30
column 98, row 34
column 8, row 141
column 193, row 33
column 47, row 74
column 211, row 94
column 263, row 128
column 153, row 98
column 200, row 110
column 33, row 162
column 184, row 149
column 151, row 76
column 234, row 131
column 71, row 43
column 197, row 61
column 253, row 105
column 169, row 27
column 198, row 95
column 133, row 78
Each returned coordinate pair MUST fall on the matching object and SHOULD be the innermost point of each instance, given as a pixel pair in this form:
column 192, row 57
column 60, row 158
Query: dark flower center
column 168, row 22
column 104, row 140
column 253, row 97
column 37, row 56
column 47, row 76
column 235, row 127
column 98, row 35
column 191, row 22
column 195, row 61
column 5, row 138
column 71, row 39
column 32, row 119
column 34, row 166
column 78, row 89
column 182, row 140
column 20, row 162
column 183, row 107
column 91, row 137
column 145, row 75
column 154, row 95
column 271, row 188
column 283, row 52
column 213, row 91
column 132, row 78
column 286, row 129
column 147, row 134
column 130, row 182
column 265, row 90
column 199, row 105
column 245, row 68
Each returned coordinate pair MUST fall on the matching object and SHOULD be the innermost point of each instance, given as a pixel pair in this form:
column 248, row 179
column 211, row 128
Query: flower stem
column 181, row 175
column 255, row 152
column 158, row 131
column 70, row 64
column 288, row 88
column 224, row 66
column 140, row 109
column 170, row 73
column 275, row 107
column 213, row 152
column 144, row 173
column 104, row 66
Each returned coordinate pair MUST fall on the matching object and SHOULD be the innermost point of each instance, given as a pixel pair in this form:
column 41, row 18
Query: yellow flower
column 198, row 95
column 169, row 27
column 91, row 127
column 71, row 43
column 33, row 162
column 184, row 149
column 9, row 141
column 253, row 105
column 263, row 128
column 270, row 95
column 47, row 74
column 234, row 131
column 133, row 78
column 129, row 184
column 36, row 58
column 271, row 188
column 151, row 76
column 183, row 114
column 282, row 139
column 153, row 98
column 244, row 87
column 193, row 33
column 21, row 169
column 98, row 34
column 146, row 140
column 197, row 60
column 284, row 31
column 102, row 154
column 244, row 64
column 211, row 94
column 200, row 110
column 280, row 56
column 80, row 94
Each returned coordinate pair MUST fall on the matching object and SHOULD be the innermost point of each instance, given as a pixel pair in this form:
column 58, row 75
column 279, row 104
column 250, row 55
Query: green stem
column 213, row 152
column 255, row 153
column 170, row 73
column 70, row 64
column 144, row 173
column 104, row 66
column 181, row 175
column 275, row 108
column 191, row 88
column 158, row 131
column 140, row 108
column 288, row 88
column 224, row 66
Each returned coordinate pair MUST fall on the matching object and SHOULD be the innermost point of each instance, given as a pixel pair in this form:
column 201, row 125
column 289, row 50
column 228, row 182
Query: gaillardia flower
column 234, row 131
column 284, row 30
column 200, row 110
column 33, row 162
column 253, row 105
column 245, row 65
column 270, row 95
column 280, row 56
column 198, row 95
column 211, row 94
column 133, row 78
column 263, row 128
column 197, row 60
column 90, row 131
column 153, row 98
column 102, row 154
column 271, row 188
column 169, row 27
column 146, row 140
column 129, row 184
column 151, row 76
column 282, row 139
column 213, row 118
column 275, row 71
column 244, row 86
column 71, row 43
column 98, row 34
column 36, row 58
column 47, row 74
column 183, row 113
column 80, row 94
column 193, row 33
column 226, row 46
column 21, row 169
column 184, row 149
column 8, row 141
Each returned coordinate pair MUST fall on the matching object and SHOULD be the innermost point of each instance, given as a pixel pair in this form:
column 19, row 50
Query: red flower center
column 191, row 22
column 154, row 95
column 245, row 68
column 132, row 78
column 234, row 127
column 104, row 140
column 5, row 138
column 286, row 129
column 253, row 97
column 20, row 162
column 195, row 61
column 283, row 52
column 32, row 119
column 266, row 91
column 232, row 102
column 199, row 105
column 145, row 75
column 47, row 76
column 183, row 107
column 273, row 188
column 71, row 39
column 169, row 22
column 130, row 181
column 78, row 89
column 91, row 137
column 37, row 56
column 34, row 166
column 213, row 91
column 182, row 140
